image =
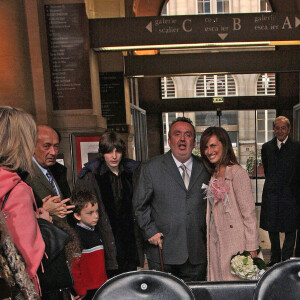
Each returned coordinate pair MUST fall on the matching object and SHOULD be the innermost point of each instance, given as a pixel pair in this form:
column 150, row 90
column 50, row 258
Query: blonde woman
column 17, row 140
column 231, row 218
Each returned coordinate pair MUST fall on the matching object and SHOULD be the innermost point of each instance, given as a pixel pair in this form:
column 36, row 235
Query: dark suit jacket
column 41, row 186
column 280, row 198
column 163, row 204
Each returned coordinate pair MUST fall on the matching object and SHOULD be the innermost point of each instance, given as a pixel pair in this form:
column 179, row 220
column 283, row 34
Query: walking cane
column 161, row 258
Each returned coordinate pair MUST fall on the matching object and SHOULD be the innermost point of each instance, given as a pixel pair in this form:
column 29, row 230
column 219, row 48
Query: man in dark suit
column 280, row 202
column 170, row 207
column 49, row 178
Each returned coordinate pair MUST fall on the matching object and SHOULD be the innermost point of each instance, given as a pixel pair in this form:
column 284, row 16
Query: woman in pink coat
column 17, row 140
column 231, row 218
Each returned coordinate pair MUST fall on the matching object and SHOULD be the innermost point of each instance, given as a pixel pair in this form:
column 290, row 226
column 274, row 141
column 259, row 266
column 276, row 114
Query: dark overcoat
column 280, row 198
column 93, row 178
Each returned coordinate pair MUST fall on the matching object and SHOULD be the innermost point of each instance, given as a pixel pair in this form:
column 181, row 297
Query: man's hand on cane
column 157, row 239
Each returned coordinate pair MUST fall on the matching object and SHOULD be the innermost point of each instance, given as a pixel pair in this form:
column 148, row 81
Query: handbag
column 56, row 274
column 54, row 237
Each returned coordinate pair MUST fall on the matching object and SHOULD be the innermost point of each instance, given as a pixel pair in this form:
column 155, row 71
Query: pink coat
column 21, row 220
column 236, row 226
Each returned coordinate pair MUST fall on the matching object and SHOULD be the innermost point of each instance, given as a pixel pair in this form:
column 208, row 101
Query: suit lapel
column 171, row 168
column 197, row 170
column 274, row 145
column 44, row 182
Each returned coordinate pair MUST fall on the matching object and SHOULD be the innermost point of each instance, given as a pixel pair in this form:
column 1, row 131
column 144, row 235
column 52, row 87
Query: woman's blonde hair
column 17, row 139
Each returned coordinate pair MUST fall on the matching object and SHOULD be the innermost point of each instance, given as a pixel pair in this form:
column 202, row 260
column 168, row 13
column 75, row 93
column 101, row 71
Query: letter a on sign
column 287, row 23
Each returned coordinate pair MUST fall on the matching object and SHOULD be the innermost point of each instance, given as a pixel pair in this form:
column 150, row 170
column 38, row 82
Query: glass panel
column 209, row 85
column 265, row 6
column 260, row 137
column 203, row 6
column 272, row 114
column 260, row 114
column 261, row 124
column 229, row 117
column 222, row 6
column 167, row 87
column 266, row 84
column 270, row 135
column 270, row 122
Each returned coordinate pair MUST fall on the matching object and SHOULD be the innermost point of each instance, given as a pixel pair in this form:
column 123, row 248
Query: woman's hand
column 253, row 253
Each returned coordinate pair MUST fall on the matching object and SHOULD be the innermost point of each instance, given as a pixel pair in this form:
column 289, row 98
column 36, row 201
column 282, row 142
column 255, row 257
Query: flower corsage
column 246, row 267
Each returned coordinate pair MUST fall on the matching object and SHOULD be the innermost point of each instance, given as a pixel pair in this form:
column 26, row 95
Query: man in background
column 280, row 200
column 49, row 180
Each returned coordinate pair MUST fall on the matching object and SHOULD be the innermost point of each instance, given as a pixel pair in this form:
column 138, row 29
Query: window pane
column 266, row 84
column 223, row 6
column 215, row 85
column 270, row 135
column 260, row 136
column 261, row 124
column 264, row 6
column 221, row 88
column 234, row 138
column 203, row 6
column 229, row 117
column 270, row 122
column 272, row 114
column 167, row 87
column 260, row 114
column 210, row 85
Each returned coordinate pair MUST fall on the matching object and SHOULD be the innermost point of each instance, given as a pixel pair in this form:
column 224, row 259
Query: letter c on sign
column 184, row 25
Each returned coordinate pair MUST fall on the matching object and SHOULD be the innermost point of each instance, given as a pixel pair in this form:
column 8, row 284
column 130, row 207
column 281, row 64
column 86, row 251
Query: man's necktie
column 50, row 179
column 282, row 144
column 185, row 176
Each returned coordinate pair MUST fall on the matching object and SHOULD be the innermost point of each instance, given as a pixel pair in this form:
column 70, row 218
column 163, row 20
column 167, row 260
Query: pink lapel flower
column 218, row 190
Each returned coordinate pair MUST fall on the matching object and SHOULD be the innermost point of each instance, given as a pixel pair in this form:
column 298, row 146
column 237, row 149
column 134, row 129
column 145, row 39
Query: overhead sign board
column 168, row 30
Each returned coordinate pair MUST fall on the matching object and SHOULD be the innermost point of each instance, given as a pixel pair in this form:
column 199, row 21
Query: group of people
column 198, row 211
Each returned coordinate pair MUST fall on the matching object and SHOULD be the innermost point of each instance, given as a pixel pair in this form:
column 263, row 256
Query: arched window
column 213, row 6
column 167, row 88
column 266, row 84
column 215, row 85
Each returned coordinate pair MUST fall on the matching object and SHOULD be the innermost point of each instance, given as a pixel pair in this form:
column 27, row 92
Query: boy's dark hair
column 81, row 199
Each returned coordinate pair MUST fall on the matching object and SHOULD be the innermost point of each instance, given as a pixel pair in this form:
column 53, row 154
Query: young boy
column 88, row 272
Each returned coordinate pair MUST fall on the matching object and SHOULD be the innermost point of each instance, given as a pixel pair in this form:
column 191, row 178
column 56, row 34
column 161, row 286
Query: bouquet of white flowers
column 246, row 267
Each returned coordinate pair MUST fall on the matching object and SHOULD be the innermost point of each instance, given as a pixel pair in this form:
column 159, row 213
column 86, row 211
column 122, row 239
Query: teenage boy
column 88, row 271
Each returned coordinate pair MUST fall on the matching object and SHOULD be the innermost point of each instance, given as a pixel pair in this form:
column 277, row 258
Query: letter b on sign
column 236, row 24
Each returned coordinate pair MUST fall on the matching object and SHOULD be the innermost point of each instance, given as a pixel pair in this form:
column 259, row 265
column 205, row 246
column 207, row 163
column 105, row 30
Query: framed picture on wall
column 84, row 147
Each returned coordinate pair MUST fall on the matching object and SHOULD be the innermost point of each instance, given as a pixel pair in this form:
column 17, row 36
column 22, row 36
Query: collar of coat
column 95, row 164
